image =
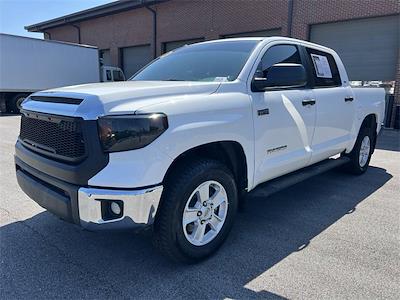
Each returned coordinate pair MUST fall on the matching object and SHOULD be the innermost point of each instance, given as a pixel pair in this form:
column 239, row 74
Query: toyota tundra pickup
column 183, row 141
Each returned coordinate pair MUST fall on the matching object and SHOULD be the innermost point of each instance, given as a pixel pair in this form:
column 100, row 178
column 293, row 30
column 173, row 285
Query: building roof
column 95, row 12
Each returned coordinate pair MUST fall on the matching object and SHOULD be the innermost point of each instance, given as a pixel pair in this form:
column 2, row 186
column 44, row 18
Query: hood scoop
column 57, row 99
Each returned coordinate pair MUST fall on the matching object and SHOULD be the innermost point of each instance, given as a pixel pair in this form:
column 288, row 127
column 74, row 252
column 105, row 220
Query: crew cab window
column 118, row 75
column 325, row 70
column 275, row 55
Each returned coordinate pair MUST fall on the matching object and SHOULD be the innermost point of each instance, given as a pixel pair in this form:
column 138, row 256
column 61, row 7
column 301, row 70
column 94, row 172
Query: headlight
column 128, row 132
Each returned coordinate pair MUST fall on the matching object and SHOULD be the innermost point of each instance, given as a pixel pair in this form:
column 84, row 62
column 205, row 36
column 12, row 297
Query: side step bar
column 275, row 185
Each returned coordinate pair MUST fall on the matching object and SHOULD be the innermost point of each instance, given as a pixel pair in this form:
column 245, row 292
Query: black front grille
column 54, row 136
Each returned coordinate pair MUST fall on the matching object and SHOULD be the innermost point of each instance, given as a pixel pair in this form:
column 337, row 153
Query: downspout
column 79, row 32
column 290, row 18
column 154, row 12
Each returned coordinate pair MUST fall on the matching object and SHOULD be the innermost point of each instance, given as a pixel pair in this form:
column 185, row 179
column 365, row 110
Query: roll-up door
column 105, row 56
column 368, row 47
column 134, row 58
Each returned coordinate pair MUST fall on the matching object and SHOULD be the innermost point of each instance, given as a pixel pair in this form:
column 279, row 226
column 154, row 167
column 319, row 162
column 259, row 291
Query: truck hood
column 116, row 97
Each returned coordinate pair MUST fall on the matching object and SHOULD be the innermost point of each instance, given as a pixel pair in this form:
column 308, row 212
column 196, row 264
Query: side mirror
column 283, row 75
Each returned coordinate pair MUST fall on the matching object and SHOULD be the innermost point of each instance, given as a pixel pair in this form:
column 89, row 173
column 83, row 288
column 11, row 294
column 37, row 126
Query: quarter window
column 325, row 70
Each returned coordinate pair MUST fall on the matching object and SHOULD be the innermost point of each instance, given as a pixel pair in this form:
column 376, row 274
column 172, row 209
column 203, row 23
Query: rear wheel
column 360, row 156
column 197, row 211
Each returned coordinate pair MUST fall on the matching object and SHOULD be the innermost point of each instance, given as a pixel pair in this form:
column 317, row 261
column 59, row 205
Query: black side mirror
column 283, row 75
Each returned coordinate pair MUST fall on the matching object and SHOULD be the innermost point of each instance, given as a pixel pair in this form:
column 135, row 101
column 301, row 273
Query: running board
column 275, row 185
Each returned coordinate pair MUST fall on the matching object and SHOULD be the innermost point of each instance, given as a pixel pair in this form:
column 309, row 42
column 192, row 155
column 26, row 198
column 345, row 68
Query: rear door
column 283, row 121
column 335, row 110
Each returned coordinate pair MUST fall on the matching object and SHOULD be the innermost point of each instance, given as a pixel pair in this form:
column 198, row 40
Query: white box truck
column 28, row 65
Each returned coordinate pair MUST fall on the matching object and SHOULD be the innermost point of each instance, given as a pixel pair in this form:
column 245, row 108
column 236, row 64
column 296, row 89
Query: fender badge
column 262, row 112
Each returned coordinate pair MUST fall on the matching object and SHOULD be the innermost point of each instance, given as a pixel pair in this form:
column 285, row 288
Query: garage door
column 134, row 58
column 169, row 46
column 368, row 47
column 270, row 32
column 105, row 56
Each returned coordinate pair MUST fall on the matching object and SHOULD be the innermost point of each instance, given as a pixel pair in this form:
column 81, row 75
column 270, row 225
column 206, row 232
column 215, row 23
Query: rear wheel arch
column 367, row 131
column 370, row 122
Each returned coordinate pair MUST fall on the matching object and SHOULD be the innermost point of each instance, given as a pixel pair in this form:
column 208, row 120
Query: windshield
column 220, row 61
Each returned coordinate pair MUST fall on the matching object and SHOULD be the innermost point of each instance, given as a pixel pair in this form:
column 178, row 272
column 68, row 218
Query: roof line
column 94, row 12
column 49, row 41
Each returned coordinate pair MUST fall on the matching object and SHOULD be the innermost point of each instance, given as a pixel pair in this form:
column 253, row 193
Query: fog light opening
column 112, row 209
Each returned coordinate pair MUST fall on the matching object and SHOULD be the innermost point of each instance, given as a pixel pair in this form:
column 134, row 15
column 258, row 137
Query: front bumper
column 139, row 207
column 83, row 205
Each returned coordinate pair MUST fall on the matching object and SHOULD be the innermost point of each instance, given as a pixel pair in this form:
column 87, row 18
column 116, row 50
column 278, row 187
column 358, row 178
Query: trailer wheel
column 16, row 101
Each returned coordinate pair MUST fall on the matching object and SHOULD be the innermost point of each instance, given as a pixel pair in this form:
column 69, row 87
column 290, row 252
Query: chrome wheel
column 205, row 213
column 365, row 149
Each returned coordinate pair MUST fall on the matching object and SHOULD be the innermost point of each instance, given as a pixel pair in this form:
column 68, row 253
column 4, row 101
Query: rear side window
column 325, row 70
column 276, row 55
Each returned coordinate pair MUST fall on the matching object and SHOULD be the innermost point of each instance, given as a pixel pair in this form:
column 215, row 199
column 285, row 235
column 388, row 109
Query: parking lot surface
column 334, row 236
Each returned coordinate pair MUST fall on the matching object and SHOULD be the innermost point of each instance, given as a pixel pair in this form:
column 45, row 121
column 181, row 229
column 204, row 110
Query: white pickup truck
column 183, row 141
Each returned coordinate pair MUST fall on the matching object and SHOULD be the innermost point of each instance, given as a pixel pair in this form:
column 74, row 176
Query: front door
column 284, row 120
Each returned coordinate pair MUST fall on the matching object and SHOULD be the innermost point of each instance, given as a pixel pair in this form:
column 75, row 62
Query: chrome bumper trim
column 140, row 207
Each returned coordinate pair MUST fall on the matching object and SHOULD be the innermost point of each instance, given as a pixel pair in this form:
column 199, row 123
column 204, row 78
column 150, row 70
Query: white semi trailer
column 28, row 65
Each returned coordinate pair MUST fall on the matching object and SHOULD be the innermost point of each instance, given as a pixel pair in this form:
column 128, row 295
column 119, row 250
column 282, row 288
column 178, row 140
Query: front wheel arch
column 229, row 153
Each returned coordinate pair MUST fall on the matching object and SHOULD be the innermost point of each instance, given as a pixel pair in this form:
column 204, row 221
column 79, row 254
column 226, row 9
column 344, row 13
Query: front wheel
column 197, row 211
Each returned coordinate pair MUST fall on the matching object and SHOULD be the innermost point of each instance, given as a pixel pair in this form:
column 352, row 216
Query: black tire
column 354, row 165
column 15, row 102
column 168, row 229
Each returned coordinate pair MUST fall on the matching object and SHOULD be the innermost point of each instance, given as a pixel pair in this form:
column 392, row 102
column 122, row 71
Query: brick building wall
column 210, row 19
column 180, row 20
column 176, row 20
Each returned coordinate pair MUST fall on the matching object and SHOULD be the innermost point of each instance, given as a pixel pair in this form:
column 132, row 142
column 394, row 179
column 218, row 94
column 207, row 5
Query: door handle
column 347, row 99
column 308, row 102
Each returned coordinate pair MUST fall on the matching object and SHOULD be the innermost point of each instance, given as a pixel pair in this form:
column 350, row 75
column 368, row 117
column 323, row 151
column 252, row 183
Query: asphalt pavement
column 334, row 236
